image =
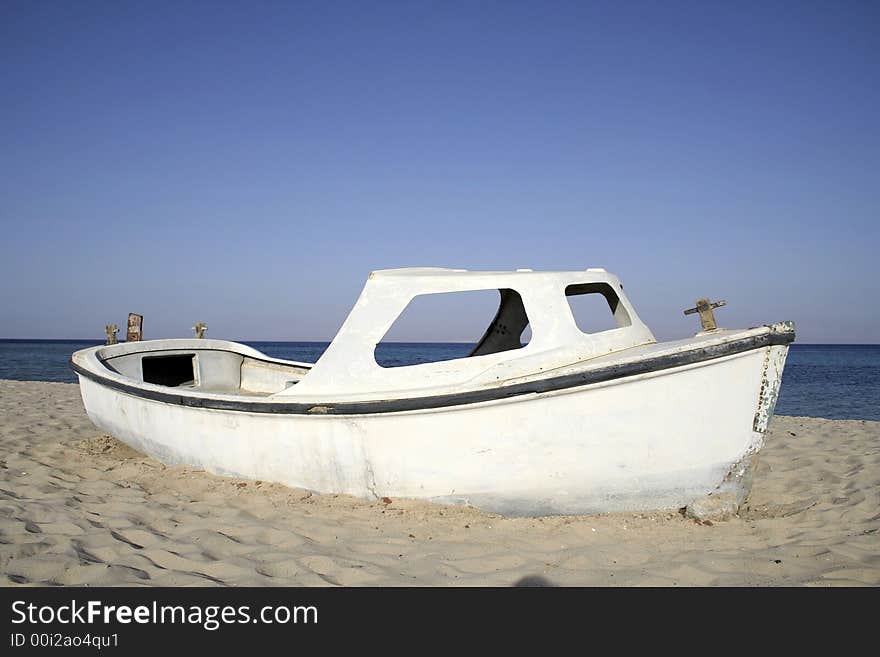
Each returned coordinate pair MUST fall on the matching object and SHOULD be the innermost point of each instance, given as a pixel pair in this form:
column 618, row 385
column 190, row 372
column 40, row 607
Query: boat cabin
column 537, row 301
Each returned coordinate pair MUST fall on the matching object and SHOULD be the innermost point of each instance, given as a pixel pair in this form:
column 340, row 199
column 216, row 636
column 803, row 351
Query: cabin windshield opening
column 442, row 326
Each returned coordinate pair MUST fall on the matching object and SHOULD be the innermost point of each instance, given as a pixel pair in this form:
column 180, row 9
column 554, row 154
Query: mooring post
column 707, row 317
column 135, row 328
column 200, row 329
column 111, row 330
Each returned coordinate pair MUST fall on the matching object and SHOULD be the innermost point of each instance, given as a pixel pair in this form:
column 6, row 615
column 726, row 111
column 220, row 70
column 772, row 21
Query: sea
column 840, row 382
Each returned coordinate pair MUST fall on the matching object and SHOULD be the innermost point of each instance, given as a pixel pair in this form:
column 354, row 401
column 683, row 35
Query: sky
column 248, row 164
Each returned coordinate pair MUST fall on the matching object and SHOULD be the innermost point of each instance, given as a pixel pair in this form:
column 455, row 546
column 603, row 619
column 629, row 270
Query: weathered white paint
column 650, row 441
column 771, row 379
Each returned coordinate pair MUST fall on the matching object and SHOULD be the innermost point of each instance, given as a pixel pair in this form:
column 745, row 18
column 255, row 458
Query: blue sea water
column 831, row 381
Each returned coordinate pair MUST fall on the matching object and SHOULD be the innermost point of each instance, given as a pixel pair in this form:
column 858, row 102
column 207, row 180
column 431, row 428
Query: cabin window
column 450, row 325
column 173, row 371
column 596, row 307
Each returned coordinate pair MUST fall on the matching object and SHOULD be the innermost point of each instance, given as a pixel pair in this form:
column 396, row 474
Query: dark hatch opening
column 170, row 371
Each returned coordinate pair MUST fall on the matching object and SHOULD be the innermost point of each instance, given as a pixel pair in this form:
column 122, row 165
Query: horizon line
column 245, row 341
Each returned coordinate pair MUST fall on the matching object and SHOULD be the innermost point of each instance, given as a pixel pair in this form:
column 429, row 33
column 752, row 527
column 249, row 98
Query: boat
column 571, row 422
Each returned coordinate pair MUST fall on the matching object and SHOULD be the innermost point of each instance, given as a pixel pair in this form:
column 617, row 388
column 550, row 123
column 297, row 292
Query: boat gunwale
column 699, row 354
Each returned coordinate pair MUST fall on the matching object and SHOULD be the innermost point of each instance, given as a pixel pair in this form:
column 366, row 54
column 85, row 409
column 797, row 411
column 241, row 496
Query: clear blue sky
column 247, row 164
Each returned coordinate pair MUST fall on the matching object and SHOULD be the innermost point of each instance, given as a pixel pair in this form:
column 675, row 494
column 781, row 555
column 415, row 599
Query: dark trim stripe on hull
column 552, row 384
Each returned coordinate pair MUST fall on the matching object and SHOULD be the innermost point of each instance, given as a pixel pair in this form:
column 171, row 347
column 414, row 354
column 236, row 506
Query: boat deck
column 227, row 391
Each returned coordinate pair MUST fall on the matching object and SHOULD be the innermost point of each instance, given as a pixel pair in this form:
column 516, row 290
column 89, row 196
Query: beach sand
column 80, row 508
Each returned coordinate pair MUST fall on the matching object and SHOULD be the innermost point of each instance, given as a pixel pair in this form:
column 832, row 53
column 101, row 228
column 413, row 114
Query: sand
column 80, row 508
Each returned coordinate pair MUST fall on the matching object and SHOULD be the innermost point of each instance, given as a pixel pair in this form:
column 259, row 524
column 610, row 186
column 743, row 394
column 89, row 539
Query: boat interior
column 209, row 370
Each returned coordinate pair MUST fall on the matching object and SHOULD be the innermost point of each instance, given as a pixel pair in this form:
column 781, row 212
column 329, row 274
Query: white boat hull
column 649, row 441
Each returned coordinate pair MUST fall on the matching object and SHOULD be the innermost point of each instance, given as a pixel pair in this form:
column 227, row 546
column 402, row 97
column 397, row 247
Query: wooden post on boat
column 111, row 330
column 200, row 329
column 135, row 328
column 705, row 308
